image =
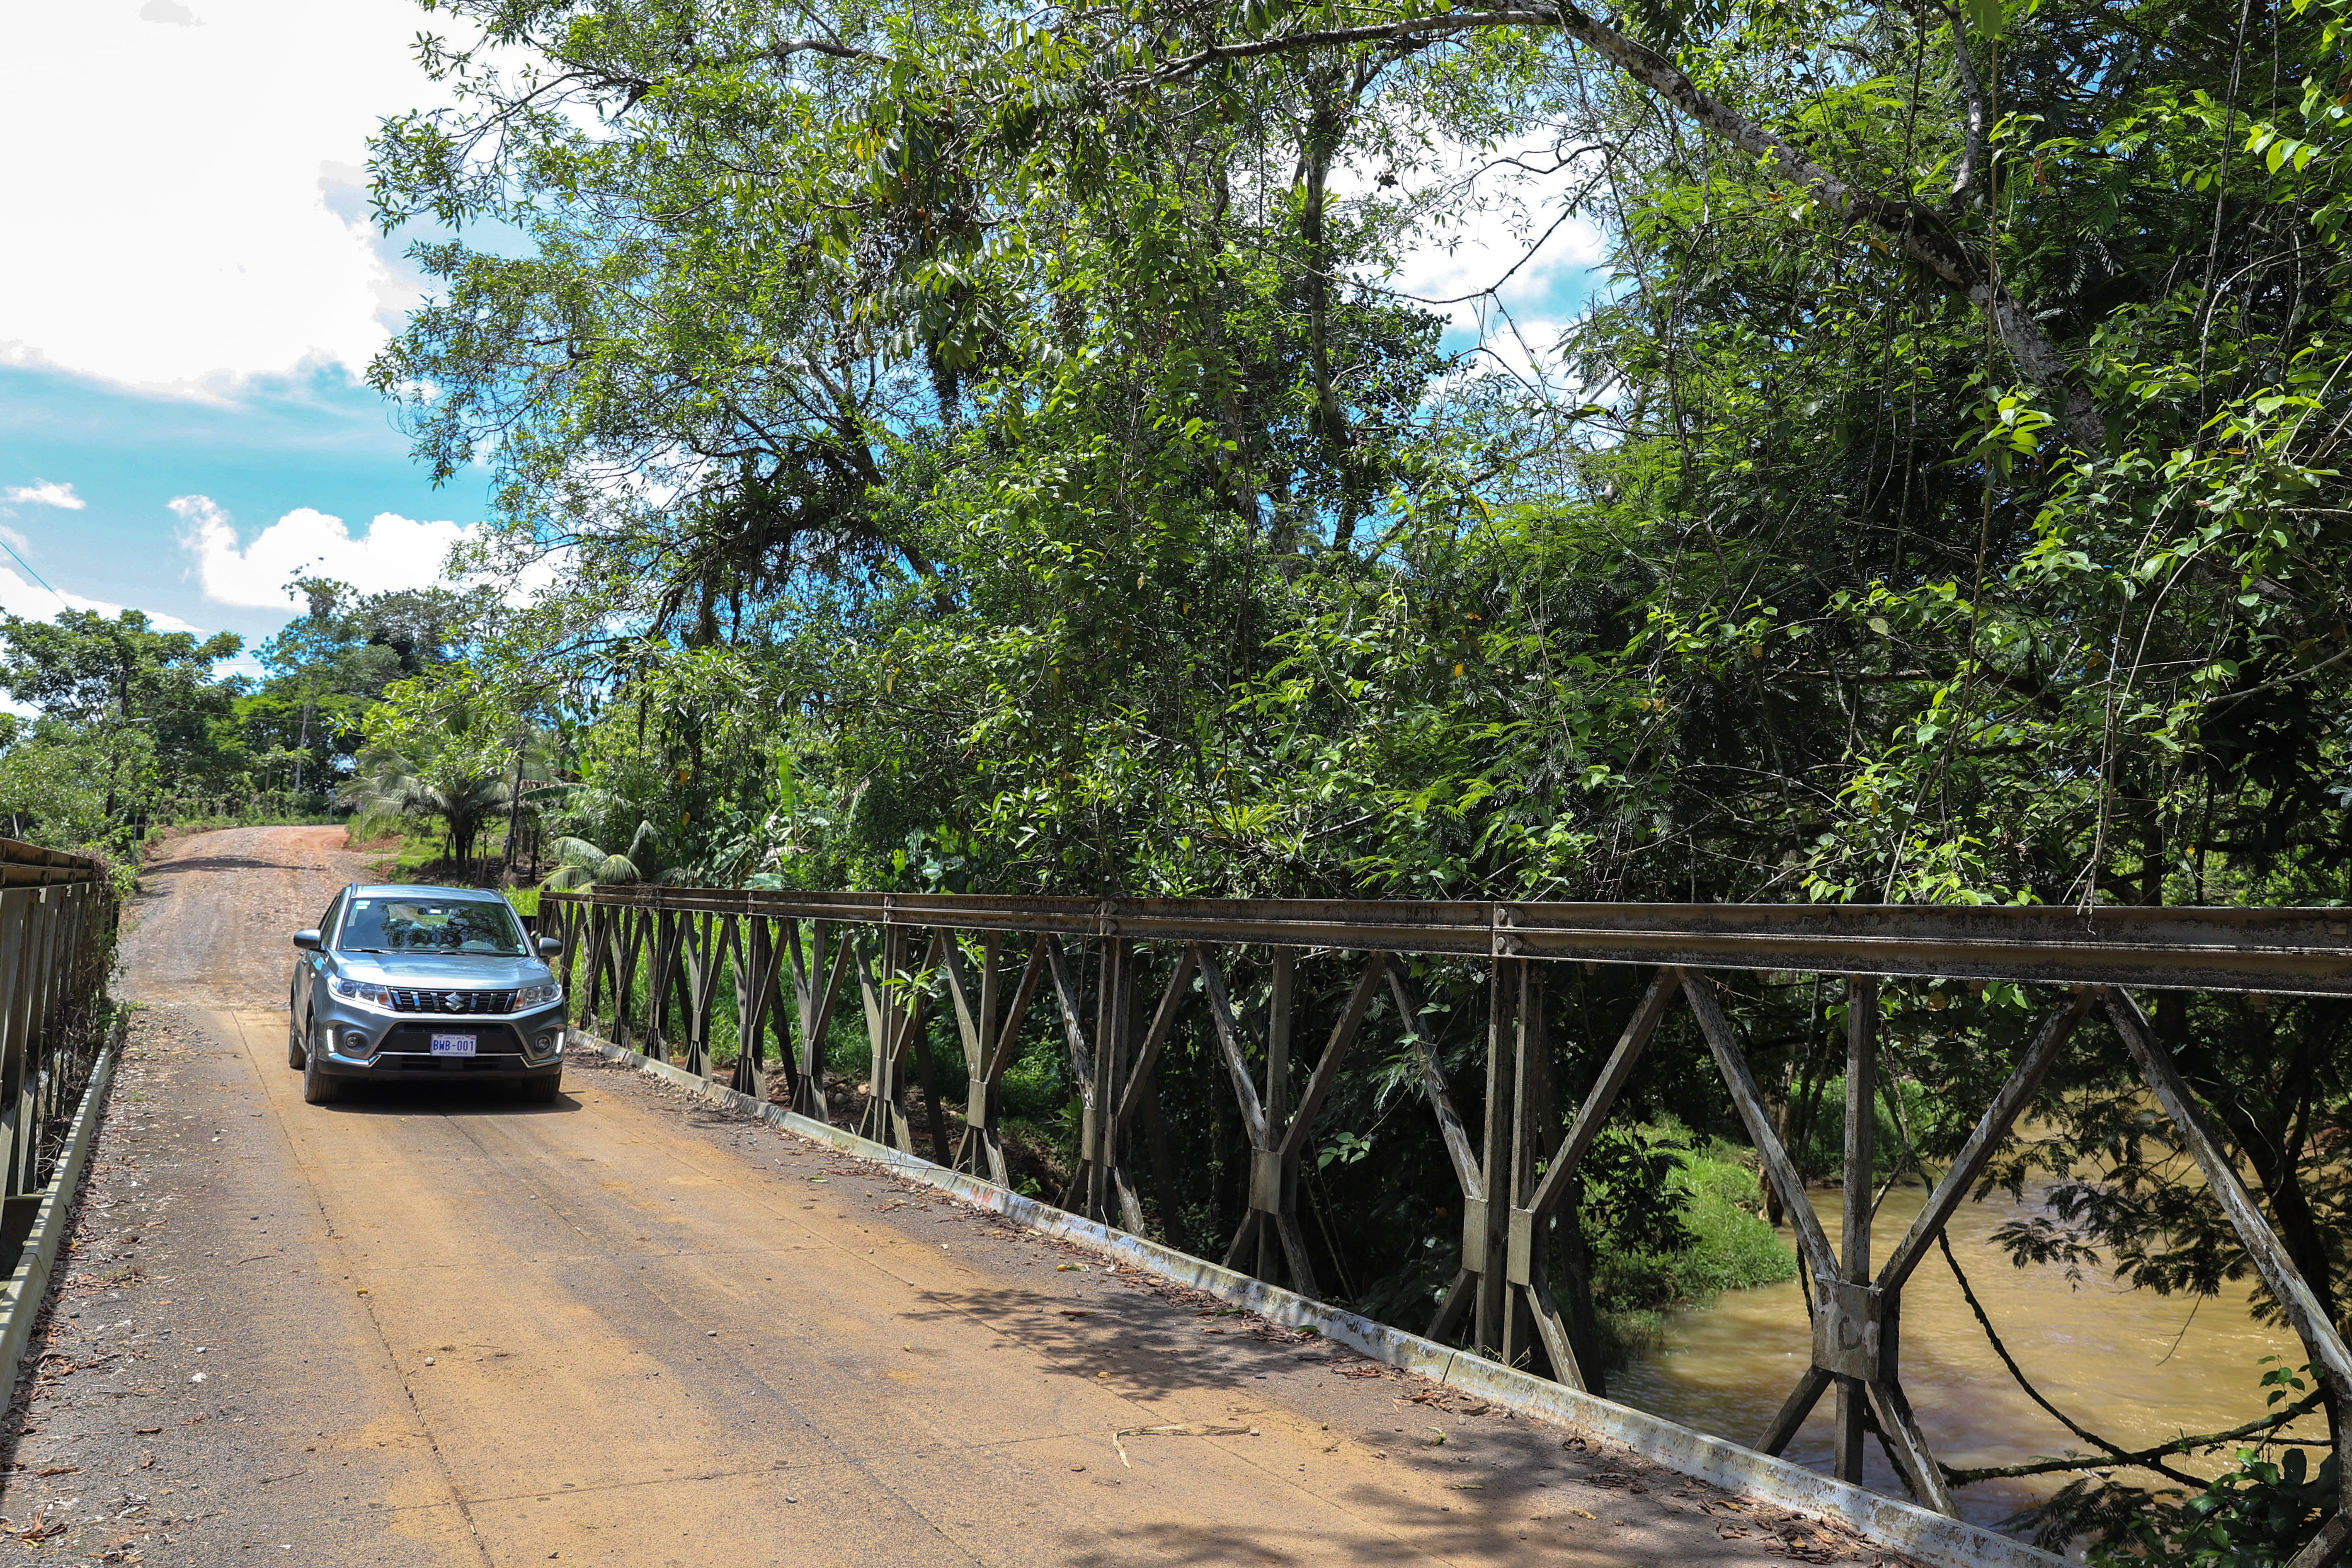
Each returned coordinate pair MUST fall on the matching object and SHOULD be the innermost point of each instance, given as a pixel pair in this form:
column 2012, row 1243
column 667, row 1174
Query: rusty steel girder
column 1515, row 1165
column 2282, row 951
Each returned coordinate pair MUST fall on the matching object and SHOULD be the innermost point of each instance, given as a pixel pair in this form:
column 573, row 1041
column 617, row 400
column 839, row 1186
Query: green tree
column 138, row 704
column 990, row 439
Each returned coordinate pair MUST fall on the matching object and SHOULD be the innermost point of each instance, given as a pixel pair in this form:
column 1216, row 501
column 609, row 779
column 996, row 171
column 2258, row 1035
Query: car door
column 311, row 968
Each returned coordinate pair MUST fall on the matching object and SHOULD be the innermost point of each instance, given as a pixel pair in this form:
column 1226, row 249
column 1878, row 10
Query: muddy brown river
column 2131, row 1365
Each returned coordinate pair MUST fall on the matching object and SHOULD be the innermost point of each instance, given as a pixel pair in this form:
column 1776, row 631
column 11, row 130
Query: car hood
column 470, row 971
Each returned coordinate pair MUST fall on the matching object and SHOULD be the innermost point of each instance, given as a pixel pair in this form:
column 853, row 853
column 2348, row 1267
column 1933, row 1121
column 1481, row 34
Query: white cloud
column 183, row 197
column 32, row 601
column 395, row 552
column 1480, row 253
column 44, row 492
column 1495, row 247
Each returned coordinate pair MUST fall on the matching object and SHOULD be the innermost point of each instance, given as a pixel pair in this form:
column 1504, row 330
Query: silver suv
column 404, row 985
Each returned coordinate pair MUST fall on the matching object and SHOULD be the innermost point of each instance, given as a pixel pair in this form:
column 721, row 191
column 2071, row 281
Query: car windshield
column 432, row 925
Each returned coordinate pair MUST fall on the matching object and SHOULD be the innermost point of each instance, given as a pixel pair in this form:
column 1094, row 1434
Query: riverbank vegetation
column 974, row 451
column 959, row 449
column 1671, row 1220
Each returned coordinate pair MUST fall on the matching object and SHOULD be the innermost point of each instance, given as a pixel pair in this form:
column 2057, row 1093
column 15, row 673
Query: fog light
column 550, row 1044
column 354, row 1043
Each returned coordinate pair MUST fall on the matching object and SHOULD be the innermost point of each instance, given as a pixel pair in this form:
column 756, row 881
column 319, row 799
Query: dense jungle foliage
column 989, row 449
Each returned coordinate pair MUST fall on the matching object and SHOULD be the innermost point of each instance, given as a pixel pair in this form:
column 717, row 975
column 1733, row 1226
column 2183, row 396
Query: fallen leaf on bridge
column 41, row 1529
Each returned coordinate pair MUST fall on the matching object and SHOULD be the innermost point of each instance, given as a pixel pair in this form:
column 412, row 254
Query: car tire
column 294, row 1055
column 542, row 1091
column 317, row 1088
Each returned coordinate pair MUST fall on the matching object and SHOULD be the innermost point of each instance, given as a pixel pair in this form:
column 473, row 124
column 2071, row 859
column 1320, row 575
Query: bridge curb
column 28, row 1287
column 1888, row 1521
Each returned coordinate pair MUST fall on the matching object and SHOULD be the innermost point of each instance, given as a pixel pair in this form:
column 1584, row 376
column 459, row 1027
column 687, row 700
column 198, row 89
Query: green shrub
column 1821, row 1151
column 1669, row 1225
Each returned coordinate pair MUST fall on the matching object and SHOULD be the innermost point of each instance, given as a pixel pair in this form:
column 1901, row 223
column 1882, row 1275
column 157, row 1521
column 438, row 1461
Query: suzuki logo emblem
column 453, row 1001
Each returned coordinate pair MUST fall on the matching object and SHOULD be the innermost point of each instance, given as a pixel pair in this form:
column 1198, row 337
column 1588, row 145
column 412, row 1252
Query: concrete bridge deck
column 624, row 1328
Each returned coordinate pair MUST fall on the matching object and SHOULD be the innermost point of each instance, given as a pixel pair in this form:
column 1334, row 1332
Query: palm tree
column 390, row 784
column 580, row 864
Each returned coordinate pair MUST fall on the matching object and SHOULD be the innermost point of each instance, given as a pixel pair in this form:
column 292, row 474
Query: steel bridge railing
column 56, row 945
column 790, row 958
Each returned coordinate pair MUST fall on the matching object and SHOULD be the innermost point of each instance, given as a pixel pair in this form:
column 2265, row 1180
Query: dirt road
column 623, row 1328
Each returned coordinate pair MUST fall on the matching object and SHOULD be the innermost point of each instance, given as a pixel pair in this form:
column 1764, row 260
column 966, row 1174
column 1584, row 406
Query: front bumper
column 362, row 1043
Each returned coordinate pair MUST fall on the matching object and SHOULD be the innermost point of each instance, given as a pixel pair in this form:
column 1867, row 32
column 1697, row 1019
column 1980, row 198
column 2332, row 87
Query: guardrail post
column 41, row 987
column 1861, row 1180
column 17, row 906
column 1486, row 1227
column 881, row 1021
column 1273, row 1190
column 1526, row 1239
column 1114, row 1008
column 817, row 988
column 990, row 1034
column 757, row 992
column 634, row 922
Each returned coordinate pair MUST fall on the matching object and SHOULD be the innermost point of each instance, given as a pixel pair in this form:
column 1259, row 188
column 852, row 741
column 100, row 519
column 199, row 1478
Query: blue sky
column 274, row 445
column 193, row 289
column 191, row 294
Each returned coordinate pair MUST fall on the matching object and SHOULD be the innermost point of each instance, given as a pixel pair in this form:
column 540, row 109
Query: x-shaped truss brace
column 1277, row 1138
column 990, row 1035
column 1856, row 1314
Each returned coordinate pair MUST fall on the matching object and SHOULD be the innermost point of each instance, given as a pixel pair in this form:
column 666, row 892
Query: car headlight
column 537, row 996
column 361, row 991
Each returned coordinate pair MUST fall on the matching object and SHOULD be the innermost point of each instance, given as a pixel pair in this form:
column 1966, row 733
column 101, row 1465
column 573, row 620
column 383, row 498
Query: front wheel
column 542, row 1091
column 295, row 1054
column 317, row 1088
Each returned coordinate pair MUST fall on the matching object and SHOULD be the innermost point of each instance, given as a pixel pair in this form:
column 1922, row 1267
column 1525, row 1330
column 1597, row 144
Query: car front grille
column 411, row 1044
column 452, row 1001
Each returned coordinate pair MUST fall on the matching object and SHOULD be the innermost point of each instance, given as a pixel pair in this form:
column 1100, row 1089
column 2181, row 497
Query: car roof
column 423, row 890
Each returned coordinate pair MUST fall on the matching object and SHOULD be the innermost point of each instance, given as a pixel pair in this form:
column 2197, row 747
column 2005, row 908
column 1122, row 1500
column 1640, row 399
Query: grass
column 1719, row 1201
column 1822, row 1150
column 419, row 857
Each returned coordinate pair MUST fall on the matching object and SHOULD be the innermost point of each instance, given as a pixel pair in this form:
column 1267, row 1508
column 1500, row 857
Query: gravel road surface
column 626, row 1329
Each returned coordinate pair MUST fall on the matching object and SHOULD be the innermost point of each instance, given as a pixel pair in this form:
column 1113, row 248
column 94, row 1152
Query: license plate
column 452, row 1045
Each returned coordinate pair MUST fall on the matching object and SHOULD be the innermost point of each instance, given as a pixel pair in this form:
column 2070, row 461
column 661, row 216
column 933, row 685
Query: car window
column 432, row 925
column 327, row 921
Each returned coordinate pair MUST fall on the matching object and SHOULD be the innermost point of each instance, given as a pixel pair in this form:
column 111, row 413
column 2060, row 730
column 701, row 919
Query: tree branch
column 2115, row 1456
column 1419, row 29
column 1972, row 97
column 1917, row 231
column 784, row 48
column 2140, row 1460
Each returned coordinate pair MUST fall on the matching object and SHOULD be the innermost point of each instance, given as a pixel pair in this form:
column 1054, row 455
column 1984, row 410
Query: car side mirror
column 309, row 941
column 549, row 946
